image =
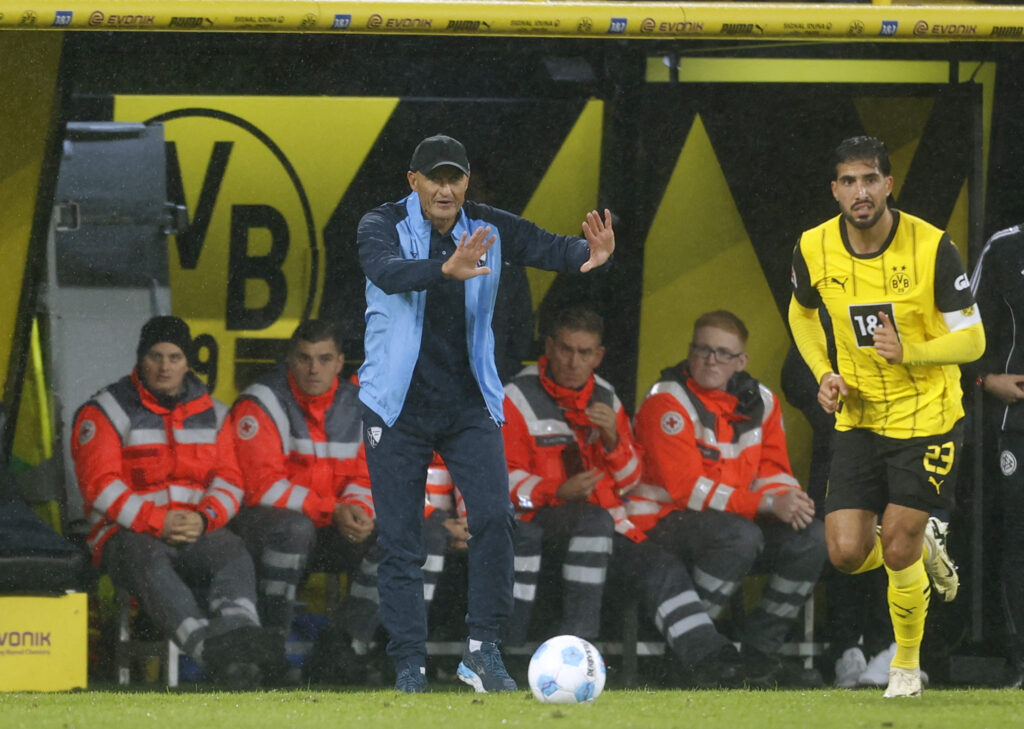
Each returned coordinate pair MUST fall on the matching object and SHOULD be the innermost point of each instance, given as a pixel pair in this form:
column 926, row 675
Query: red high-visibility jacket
column 301, row 452
column 708, row 449
column 136, row 459
column 547, row 435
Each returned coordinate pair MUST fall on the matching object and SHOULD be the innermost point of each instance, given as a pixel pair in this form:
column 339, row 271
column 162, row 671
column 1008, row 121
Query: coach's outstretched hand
column 464, row 263
column 601, row 238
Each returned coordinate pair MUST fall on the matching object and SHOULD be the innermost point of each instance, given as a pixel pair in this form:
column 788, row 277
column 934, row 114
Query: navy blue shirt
column 443, row 378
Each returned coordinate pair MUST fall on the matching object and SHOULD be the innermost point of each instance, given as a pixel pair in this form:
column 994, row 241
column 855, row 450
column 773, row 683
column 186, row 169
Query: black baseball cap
column 436, row 151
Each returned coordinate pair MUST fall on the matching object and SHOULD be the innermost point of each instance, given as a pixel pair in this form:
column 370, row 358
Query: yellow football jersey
column 917, row 279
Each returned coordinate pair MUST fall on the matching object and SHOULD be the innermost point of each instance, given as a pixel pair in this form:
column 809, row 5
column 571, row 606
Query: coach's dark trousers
column 470, row 443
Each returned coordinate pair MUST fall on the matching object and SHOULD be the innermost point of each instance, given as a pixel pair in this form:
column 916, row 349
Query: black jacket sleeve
column 527, row 244
column 987, row 286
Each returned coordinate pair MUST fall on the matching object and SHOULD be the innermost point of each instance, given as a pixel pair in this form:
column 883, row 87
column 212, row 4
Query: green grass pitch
column 461, row 709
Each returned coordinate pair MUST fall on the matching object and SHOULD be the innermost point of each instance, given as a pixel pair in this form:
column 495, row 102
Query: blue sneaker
column 411, row 680
column 484, row 670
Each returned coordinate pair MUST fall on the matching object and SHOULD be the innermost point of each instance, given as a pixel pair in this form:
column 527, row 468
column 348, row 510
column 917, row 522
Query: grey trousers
column 576, row 537
column 664, row 587
column 166, row 579
column 721, row 549
column 279, row 541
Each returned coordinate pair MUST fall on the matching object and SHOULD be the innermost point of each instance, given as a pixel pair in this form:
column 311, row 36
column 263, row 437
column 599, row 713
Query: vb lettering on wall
column 43, row 642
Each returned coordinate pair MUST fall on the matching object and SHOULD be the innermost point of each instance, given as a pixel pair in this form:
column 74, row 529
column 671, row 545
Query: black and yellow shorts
column 870, row 471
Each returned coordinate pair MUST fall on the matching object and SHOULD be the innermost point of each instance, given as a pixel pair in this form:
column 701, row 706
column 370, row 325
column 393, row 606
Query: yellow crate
column 43, row 643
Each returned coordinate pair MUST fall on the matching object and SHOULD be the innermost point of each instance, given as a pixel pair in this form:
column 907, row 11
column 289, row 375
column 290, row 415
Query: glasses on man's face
column 720, row 355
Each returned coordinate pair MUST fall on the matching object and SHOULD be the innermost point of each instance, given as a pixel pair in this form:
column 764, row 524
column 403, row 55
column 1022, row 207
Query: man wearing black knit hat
column 159, row 478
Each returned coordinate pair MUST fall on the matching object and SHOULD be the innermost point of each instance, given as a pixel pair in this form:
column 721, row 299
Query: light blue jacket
column 396, row 293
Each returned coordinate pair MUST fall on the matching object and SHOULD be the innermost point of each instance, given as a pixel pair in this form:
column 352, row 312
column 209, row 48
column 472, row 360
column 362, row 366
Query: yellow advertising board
column 43, row 643
column 654, row 20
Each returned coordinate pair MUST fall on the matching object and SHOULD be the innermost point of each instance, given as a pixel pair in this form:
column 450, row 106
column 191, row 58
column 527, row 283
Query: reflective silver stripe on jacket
column 114, row 412
column 297, row 498
column 275, row 492
column 525, row 483
column 631, row 466
column 184, row 494
column 145, row 436
column 110, row 493
column 779, row 479
column 266, row 397
column 700, row 492
column 198, row 436
column 535, row 426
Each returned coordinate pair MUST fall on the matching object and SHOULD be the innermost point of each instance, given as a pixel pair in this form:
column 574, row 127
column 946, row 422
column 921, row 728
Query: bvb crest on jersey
column 899, row 281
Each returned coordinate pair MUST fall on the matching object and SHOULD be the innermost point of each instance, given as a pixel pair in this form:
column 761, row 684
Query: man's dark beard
column 865, row 224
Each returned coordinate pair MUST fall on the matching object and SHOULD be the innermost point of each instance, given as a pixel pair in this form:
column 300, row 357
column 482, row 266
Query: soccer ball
column 566, row 670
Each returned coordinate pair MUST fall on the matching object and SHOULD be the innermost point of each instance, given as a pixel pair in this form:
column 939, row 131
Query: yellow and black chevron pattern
column 712, row 174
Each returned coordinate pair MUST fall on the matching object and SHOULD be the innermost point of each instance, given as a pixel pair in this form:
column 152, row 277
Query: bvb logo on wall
column 259, row 176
